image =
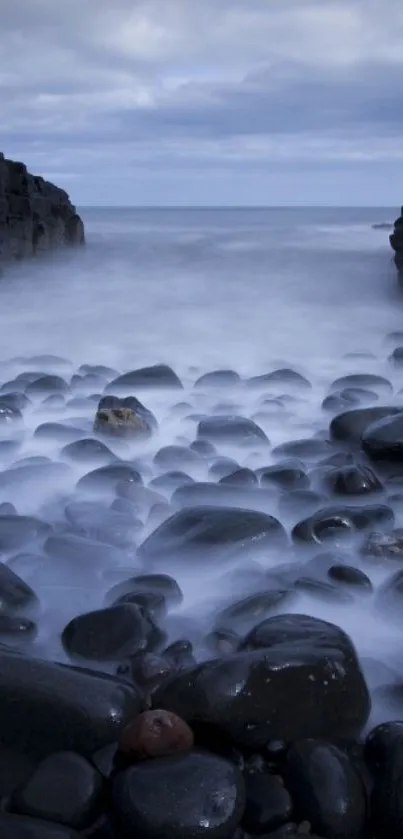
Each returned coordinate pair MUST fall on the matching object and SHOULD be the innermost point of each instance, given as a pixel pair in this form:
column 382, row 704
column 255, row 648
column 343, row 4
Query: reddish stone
column 156, row 734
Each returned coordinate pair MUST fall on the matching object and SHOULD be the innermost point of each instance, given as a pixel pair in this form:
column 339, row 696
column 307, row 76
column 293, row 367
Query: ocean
column 249, row 290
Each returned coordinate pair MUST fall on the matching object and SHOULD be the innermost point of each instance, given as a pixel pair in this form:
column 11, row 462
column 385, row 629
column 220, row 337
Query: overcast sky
column 139, row 102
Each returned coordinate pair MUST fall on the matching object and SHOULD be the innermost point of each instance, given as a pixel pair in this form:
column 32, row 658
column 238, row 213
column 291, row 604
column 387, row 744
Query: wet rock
column 158, row 376
column 159, row 584
column 387, row 794
column 283, row 376
column 326, row 789
column 203, row 447
column 104, row 479
column 171, row 480
column 80, row 554
column 223, row 495
column 383, row 440
column 15, row 401
column 218, row 378
column 383, row 546
column 322, row 590
column 231, row 429
column 16, row 596
column 16, row 531
column 351, row 425
column 268, row 803
column 241, row 477
column 45, row 385
column 294, row 677
column 7, row 509
column 180, row 654
column 107, row 634
column 15, row 631
column 47, row 707
column 352, row 480
column 65, row 788
column 396, row 357
column 307, row 449
column 286, row 476
column 152, row 604
column 211, row 532
column 23, row 827
column 146, row 670
column 98, row 370
column 381, row 743
column 349, row 576
column 245, row 613
column 222, row 467
column 214, row 812
column 155, row 734
column 88, row 450
column 223, row 641
column 336, row 522
column 176, row 457
column 362, row 380
column 57, row 432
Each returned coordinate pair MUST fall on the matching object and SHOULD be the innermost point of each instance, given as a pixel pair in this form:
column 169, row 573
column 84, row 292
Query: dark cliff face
column 35, row 215
column 396, row 242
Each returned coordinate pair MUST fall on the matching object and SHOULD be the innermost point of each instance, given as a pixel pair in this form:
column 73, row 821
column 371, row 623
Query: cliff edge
column 35, row 215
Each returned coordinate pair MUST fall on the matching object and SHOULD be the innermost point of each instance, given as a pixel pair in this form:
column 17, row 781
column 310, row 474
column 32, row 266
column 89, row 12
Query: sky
column 206, row 102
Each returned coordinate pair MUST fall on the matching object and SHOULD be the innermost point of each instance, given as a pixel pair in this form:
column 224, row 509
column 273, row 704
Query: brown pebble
column 156, row 734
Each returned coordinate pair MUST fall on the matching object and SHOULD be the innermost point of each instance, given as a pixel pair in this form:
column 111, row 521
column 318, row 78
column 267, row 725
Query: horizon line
column 235, row 206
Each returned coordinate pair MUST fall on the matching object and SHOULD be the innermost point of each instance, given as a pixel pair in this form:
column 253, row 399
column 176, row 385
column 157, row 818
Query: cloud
column 99, row 90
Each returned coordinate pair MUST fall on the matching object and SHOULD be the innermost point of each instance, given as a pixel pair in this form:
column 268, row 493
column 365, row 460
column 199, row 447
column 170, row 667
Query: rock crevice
column 35, row 215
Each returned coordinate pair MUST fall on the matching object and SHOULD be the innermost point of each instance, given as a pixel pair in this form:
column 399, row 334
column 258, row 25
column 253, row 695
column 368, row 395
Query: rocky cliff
column 35, row 215
column 396, row 241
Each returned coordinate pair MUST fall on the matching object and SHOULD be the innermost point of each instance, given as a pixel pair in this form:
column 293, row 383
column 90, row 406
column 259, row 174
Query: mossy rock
column 121, row 422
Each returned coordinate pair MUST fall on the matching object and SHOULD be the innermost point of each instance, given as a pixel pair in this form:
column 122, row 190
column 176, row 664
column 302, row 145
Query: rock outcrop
column 35, row 215
column 396, row 241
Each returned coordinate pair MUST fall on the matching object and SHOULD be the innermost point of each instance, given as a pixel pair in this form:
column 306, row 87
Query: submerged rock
column 158, row 376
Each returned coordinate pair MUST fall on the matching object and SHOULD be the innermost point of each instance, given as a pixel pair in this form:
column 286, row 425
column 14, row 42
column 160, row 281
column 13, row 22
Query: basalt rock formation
column 396, row 241
column 35, row 216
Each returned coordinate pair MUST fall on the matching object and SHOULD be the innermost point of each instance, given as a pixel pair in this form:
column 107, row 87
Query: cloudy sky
column 167, row 102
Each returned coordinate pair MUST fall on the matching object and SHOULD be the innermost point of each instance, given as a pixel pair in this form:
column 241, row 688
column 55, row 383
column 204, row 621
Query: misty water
column 247, row 290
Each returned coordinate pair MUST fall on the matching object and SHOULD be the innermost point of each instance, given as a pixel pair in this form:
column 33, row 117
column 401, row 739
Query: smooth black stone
column 383, row 440
column 108, row 634
column 223, row 466
column 352, row 480
column 199, row 795
column 283, row 376
column 171, row 480
column 396, row 357
column 337, row 402
column 58, row 432
column 180, row 654
column 247, row 612
column 350, row 576
column 46, row 707
column 295, row 677
column 16, row 531
column 333, row 522
column 104, row 479
column 268, row 803
column 16, row 630
column 83, row 555
column 23, row 827
column 349, row 426
column 298, row 501
column 361, row 394
column 16, row 596
column 241, row 477
column 113, row 402
column 362, row 380
column 203, row 493
column 203, row 447
column 387, row 793
column 307, row 449
column 231, row 429
column 381, row 743
column 322, row 590
column 153, row 604
column 7, row 509
column 283, row 475
column 223, row 641
column 160, row 584
column 88, row 450
column 211, row 532
column 218, row 378
column 46, row 385
column 176, row 457
column 15, row 401
column 326, row 789
column 65, row 788
column 146, row 669
column 158, row 376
